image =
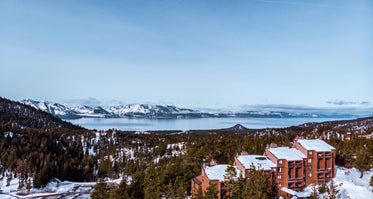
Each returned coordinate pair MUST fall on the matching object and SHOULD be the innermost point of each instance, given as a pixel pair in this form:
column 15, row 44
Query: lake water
column 195, row 123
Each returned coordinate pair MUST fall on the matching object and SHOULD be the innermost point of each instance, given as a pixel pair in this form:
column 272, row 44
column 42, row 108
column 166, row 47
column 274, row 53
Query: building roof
column 217, row 172
column 295, row 193
column 258, row 161
column 289, row 191
column 287, row 153
column 315, row 144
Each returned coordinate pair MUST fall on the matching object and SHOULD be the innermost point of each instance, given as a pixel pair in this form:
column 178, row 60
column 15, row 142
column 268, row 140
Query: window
column 309, row 152
column 279, row 177
column 247, row 171
column 280, row 161
column 309, row 160
column 309, row 167
column 274, row 169
column 279, row 184
column 309, row 174
column 279, row 169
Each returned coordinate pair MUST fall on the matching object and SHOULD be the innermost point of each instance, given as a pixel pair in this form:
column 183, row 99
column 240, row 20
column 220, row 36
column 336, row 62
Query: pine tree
column 229, row 177
column 371, row 181
column 152, row 183
column 238, row 188
column 322, row 188
column 100, row 191
column 198, row 194
column 362, row 162
column 28, row 185
column 211, row 191
column 257, row 185
column 314, row 193
column 332, row 192
column 122, row 190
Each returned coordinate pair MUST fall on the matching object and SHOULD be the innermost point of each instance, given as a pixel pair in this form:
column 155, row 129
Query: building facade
column 308, row 161
column 215, row 173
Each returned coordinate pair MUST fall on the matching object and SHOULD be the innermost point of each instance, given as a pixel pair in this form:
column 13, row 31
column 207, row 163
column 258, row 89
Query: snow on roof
column 258, row 161
column 287, row 153
column 217, row 172
column 315, row 144
column 289, row 191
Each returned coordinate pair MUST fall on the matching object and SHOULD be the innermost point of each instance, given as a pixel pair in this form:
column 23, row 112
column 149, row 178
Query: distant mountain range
column 66, row 111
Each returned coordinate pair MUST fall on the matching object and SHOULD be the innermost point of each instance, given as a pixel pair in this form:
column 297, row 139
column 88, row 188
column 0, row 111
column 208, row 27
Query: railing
column 328, row 170
column 322, row 178
column 299, row 165
column 291, row 180
column 298, row 188
column 324, row 155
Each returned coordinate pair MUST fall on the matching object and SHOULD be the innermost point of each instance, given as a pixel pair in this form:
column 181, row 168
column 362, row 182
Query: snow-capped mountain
column 66, row 111
column 141, row 110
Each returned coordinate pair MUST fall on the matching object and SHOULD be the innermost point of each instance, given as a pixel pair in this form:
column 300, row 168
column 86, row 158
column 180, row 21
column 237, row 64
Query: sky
column 188, row 53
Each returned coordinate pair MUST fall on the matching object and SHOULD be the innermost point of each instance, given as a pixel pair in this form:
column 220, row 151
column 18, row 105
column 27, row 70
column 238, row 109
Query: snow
column 217, row 172
column 351, row 184
column 53, row 189
column 258, row 161
column 289, row 191
column 315, row 144
column 287, row 153
column 8, row 134
column 348, row 183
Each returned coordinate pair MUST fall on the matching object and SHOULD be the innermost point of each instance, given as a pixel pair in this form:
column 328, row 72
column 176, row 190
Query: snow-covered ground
column 348, row 181
column 56, row 188
column 349, row 184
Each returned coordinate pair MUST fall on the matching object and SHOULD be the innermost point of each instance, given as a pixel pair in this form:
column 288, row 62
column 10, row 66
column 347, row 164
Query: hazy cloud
column 344, row 102
column 89, row 102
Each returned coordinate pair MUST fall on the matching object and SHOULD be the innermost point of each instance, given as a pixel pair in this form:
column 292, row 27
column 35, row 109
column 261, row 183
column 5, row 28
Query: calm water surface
column 195, row 123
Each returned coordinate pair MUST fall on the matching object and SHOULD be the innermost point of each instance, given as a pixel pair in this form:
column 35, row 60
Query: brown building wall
column 205, row 181
column 318, row 167
column 239, row 165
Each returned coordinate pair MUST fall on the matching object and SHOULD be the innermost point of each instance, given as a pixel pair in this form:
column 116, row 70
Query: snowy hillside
column 349, row 184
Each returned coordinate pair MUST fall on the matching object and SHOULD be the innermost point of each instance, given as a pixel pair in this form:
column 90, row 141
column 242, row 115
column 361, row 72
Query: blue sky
column 188, row 53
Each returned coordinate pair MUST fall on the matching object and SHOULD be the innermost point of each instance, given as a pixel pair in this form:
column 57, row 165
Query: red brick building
column 245, row 162
column 320, row 163
column 211, row 173
column 289, row 166
column 309, row 161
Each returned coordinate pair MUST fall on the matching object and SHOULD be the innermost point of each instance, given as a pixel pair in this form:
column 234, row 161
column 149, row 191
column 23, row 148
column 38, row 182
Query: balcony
column 325, row 179
column 296, row 180
column 298, row 189
column 324, row 156
column 298, row 165
column 327, row 170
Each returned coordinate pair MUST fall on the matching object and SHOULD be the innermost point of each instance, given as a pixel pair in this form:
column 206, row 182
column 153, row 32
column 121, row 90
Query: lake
column 194, row 123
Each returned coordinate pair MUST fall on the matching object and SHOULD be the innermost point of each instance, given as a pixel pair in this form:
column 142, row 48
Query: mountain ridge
column 65, row 111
